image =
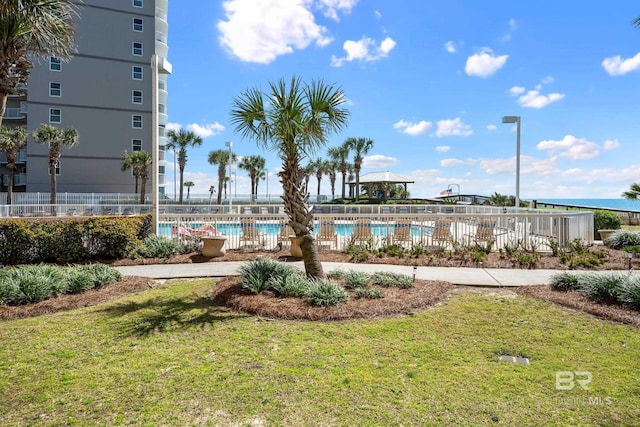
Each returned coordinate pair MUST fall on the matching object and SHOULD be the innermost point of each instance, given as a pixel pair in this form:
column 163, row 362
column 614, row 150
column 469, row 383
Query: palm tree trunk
column 142, row 189
column 300, row 217
column 3, row 105
column 357, row 168
column 52, row 201
column 10, row 169
column 136, row 176
column 181, row 182
column 344, row 181
column 220, row 181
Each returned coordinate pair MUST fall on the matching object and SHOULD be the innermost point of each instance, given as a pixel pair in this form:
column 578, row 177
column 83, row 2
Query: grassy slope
column 164, row 357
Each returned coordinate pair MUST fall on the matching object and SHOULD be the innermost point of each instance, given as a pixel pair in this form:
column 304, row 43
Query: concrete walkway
column 494, row 277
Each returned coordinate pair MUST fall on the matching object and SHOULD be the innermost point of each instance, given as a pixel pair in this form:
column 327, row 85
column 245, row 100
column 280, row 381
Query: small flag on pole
column 445, row 192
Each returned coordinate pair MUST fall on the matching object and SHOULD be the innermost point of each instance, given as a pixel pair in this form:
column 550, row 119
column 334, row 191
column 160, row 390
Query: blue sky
column 428, row 81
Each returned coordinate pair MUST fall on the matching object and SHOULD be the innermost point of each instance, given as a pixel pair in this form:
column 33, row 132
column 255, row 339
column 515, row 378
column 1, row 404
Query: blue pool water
column 378, row 230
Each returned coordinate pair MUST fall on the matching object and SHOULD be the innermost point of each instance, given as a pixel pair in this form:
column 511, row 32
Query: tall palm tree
column 221, row 158
column 319, row 168
column 340, row 155
column 11, row 141
column 306, row 171
column 332, row 168
column 293, row 120
column 30, row 29
column 139, row 163
column 261, row 175
column 360, row 147
column 350, row 177
column 182, row 139
column 636, row 22
column 57, row 139
column 253, row 164
column 189, row 184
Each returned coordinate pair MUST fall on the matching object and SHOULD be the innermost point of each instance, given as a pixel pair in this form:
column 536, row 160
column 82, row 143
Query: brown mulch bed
column 396, row 301
column 578, row 301
column 128, row 285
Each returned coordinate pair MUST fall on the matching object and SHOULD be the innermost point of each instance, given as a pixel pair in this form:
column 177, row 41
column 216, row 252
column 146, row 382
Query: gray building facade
column 105, row 92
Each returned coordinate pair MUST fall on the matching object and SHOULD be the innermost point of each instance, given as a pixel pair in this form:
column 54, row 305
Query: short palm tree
column 221, row 158
column 319, row 168
column 11, row 141
column 139, row 163
column 253, row 164
column 331, row 168
column 57, row 139
column 189, row 184
column 180, row 140
column 28, row 29
column 360, row 147
column 340, row 155
column 293, row 120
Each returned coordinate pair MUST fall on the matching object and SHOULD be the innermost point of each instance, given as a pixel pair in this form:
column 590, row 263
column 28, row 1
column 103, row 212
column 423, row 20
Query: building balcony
column 161, row 14
column 15, row 114
column 19, row 179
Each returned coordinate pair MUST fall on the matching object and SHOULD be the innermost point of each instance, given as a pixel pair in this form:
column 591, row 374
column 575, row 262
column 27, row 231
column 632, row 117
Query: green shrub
column 258, row 274
column 565, row 282
column 33, row 283
column 355, row 279
column 290, row 285
column 371, row 293
column 629, row 292
column 603, row 287
column 605, row 220
column 325, row 293
column 622, row 238
column 79, row 281
column 388, row 279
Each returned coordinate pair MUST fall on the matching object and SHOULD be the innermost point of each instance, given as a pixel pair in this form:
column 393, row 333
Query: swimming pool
column 272, row 229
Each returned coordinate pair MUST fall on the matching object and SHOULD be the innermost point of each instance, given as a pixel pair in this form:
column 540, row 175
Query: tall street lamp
column 235, row 185
column 516, row 120
column 159, row 65
column 230, row 145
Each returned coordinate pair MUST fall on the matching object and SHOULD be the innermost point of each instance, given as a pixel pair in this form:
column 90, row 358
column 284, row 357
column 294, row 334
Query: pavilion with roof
column 385, row 179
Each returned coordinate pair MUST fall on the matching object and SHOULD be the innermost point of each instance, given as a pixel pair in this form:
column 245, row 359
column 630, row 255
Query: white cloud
column 442, row 148
column 513, row 25
column 365, row 50
column 207, row 130
column 413, row 129
column 516, row 90
column 453, row 127
column 378, row 161
column 611, row 144
column 484, row 63
column 449, row 163
column 528, row 165
column 203, row 131
column 492, row 127
column 332, row 7
column 616, row 66
column 378, row 14
column 260, row 31
column 571, row 147
column 534, row 99
column 450, row 47
column 547, row 80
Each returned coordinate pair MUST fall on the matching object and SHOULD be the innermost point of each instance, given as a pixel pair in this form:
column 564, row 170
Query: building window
column 55, row 64
column 136, row 121
column 137, row 25
column 136, row 72
column 137, row 49
column 57, row 170
column 136, row 145
column 137, row 3
column 136, row 97
column 55, row 89
column 161, row 131
column 55, row 115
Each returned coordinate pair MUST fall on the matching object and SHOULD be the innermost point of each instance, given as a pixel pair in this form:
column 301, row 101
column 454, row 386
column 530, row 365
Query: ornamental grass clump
column 388, row 279
column 258, row 275
column 290, row 285
column 356, row 279
column 325, row 293
column 565, row 282
column 629, row 292
column 602, row 287
column 621, row 238
column 371, row 293
column 32, row 283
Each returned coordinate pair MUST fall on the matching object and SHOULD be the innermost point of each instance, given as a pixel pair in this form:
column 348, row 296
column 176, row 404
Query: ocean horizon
column 621, row 204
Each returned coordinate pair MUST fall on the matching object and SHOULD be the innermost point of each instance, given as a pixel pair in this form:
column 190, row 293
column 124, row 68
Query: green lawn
column 165, row 357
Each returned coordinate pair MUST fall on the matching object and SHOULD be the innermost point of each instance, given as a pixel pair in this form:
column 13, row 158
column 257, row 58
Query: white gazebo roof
column 383, row 177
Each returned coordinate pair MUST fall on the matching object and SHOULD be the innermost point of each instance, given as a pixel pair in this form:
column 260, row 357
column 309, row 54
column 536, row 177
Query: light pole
column 230, row 145
column 235, row 185
column 516, row 120
column 158, row 65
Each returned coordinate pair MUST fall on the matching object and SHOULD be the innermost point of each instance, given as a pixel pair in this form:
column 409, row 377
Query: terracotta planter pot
column 604, row 234
column 213, row 246
column 295, row 247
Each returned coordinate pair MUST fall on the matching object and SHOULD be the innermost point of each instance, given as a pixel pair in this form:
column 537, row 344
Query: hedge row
column 70, row 240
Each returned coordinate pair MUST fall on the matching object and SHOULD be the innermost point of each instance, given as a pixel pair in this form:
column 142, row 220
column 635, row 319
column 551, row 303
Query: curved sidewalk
column 494, row 277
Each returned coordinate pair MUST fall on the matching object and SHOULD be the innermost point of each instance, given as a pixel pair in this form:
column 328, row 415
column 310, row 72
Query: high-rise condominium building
column 105, row 91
